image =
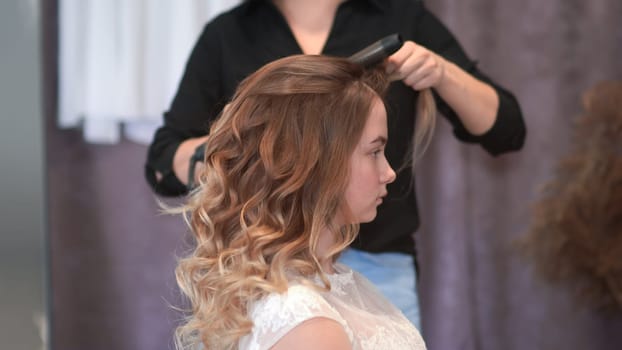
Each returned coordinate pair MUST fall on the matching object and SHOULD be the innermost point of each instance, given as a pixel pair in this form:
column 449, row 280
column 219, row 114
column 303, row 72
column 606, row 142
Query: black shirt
column 238, row 42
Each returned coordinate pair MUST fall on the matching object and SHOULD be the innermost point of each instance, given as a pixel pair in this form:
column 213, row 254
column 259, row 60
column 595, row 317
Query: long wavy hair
column 275, row 175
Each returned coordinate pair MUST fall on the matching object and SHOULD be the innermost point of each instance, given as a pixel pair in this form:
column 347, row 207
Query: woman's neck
column 325, row 243
column 310, row 21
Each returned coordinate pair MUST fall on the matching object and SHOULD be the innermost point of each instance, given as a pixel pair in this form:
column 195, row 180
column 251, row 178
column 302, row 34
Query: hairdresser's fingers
column 412, row 62
column 395, row 61
column 424, row 82
column 411, row 69
column 405, row 61
column 430, row 74
column 427, row 69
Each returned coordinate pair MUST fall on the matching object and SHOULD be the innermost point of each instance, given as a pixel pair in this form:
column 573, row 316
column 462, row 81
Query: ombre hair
column 276, row 170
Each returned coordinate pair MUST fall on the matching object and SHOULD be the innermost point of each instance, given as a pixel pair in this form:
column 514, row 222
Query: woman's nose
column 388, row 174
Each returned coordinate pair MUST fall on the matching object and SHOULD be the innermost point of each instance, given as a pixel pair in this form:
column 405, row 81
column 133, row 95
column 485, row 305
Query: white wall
column 22, row 198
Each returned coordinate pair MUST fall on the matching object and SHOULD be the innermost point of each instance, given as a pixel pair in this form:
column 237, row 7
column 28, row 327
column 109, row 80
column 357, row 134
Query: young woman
column 256, row 32
column 292, row 167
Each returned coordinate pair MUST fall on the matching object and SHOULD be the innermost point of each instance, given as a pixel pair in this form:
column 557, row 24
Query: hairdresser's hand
column 417, row 66
column 475, row 102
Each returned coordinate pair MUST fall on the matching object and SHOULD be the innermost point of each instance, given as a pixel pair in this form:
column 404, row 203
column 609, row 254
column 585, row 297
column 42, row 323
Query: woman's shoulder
column 298, row 303
column 277, row 314
column 305, row 336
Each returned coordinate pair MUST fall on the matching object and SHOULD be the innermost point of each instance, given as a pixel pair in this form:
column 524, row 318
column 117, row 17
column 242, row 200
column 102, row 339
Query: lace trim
column 339, row 280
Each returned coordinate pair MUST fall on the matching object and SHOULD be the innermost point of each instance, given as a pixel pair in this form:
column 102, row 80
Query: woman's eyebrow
column 380, row 139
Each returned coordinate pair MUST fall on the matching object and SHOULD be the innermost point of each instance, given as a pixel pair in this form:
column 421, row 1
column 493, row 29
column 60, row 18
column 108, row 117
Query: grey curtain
column 112, row 254
column 478, row 290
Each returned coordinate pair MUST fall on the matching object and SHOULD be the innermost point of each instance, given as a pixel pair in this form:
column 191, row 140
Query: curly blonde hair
column 274, row 177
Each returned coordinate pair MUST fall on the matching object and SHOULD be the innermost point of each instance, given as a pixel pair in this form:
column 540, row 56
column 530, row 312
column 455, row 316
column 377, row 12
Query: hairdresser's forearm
column 475, row 102
column 181, row 160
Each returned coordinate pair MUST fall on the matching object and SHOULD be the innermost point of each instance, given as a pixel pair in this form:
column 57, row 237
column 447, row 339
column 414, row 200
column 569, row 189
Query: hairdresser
column 238, row 42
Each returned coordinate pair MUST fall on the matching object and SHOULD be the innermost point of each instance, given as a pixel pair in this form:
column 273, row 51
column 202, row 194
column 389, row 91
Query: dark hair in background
column 576, row 232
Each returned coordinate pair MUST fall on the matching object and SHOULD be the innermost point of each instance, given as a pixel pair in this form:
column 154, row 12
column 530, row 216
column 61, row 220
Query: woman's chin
column 368, row 218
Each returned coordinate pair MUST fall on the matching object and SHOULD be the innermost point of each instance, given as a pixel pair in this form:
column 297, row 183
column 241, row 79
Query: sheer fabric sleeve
column 277, row 314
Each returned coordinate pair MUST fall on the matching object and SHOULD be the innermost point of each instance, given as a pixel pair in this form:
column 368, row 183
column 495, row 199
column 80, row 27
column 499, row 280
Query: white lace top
column 370, row 321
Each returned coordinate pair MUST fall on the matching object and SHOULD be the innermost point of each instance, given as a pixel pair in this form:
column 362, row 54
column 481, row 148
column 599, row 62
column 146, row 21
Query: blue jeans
column 393, row 274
